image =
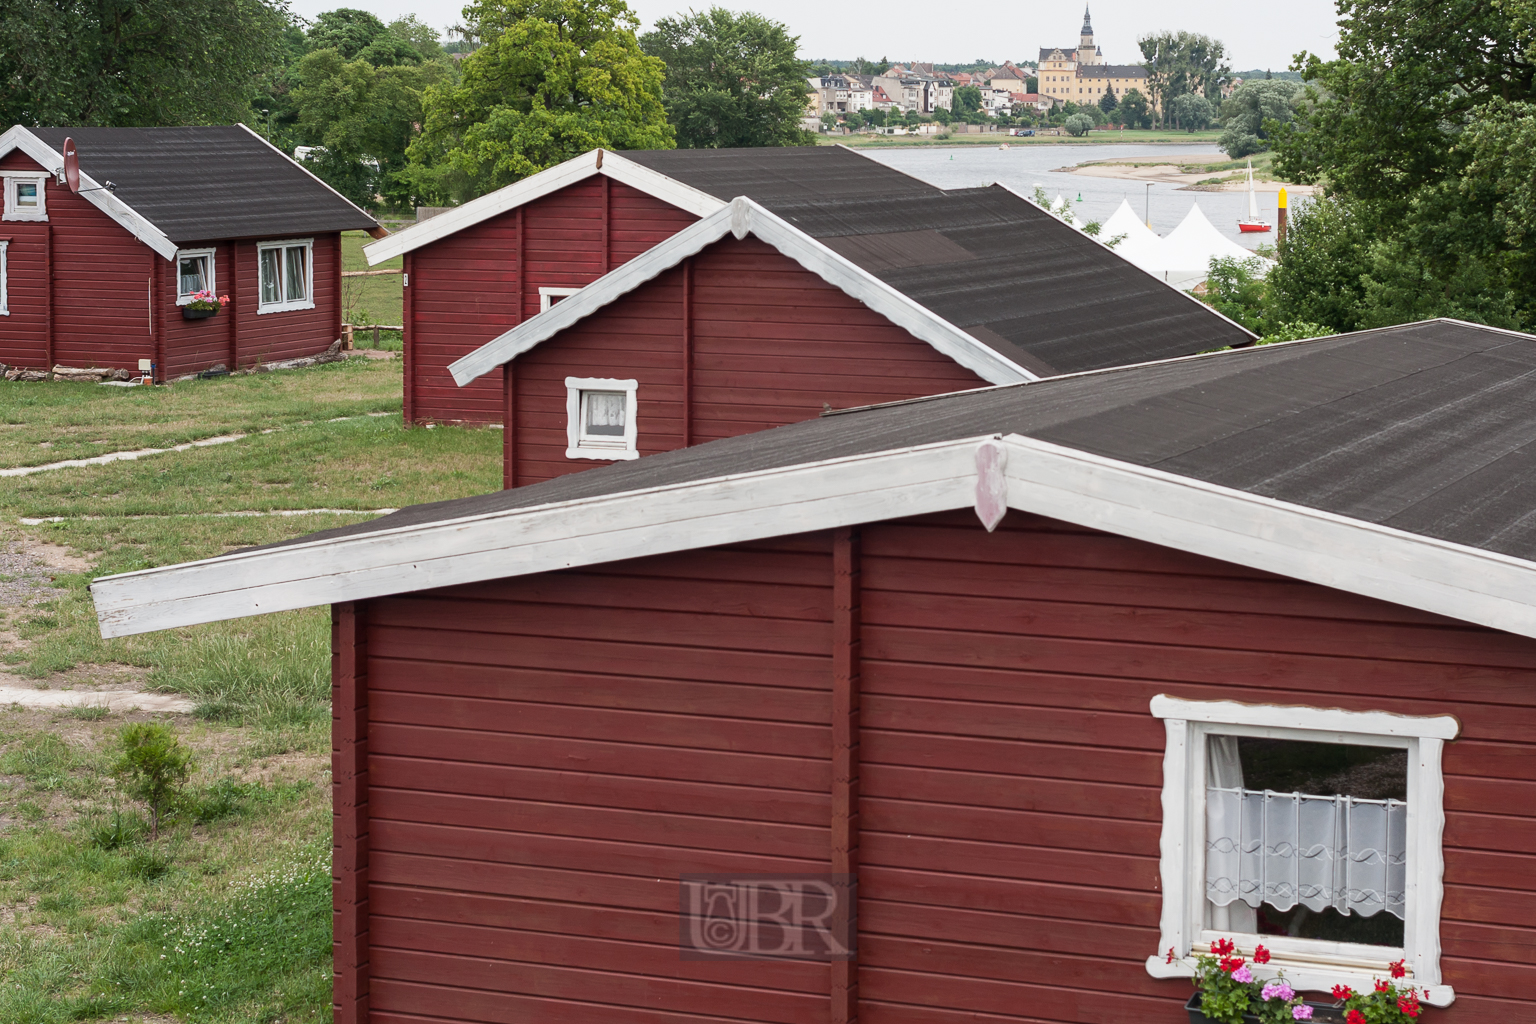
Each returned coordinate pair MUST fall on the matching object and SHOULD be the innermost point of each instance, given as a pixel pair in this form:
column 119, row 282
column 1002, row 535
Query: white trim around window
column 549, row 296
column 279, row 264
column 1308, row 964
column 205, row 257
column 26, row 196
column 5, row 277
column 593, row 408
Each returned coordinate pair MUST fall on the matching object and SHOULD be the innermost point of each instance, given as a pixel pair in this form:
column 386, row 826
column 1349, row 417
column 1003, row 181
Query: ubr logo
column 768, row 917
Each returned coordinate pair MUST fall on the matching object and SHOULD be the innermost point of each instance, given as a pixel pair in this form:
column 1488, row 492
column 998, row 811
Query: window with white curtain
column 601, row 418
column 285, row 272
column 1316, row 832
column 194, row 273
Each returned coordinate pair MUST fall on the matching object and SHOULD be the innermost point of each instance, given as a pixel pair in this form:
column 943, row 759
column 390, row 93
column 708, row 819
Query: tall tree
column 135, row 62
column 1419, row 131
column 1183, row 62
column 1247, row 112
column 554, row 79
column 732, row 80
column 346, row 30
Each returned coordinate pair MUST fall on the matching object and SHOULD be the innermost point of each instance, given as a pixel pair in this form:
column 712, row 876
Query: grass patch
column 370, row 300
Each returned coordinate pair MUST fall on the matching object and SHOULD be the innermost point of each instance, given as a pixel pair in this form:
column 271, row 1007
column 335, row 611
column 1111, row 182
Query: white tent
column 1140, row 244
column 1189, row 248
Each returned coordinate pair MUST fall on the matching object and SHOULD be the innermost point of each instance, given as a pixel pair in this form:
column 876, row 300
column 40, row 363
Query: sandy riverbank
column 1174, row 174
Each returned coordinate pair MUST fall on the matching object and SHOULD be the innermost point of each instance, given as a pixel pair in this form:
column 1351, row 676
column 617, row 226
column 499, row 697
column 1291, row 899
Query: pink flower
column 1242, row 974
column 1302, row 1012
column 1278, row 989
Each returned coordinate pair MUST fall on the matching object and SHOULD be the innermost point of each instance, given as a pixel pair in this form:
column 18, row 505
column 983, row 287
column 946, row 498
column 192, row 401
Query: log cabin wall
column 465, row 288
column 547, row 754
column 754, row 341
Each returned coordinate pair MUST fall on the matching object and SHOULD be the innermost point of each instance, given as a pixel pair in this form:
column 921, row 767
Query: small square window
column 26, row 197
column 285, row 272
column 601, row 418
column 194, row 273
column 549, row 296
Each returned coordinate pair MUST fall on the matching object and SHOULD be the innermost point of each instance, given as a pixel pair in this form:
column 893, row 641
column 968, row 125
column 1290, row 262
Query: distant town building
column 841, row 94
column 1081, row 75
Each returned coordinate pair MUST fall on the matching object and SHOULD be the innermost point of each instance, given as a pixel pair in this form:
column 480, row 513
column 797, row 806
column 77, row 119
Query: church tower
column 1087, row 53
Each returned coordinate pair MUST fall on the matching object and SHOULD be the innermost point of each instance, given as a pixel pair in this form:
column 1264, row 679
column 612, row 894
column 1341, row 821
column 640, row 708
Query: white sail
column 1253, row 202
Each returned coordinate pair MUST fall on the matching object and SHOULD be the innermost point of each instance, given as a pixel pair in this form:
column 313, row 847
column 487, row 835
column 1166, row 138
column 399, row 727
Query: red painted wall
column 545, row 755
column 464, row 289
column 768, row 342
column 103, row 280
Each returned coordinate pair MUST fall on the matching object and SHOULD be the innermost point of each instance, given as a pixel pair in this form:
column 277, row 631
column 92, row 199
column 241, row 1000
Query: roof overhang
column 553, row 179
column 19, row 138
column 989, row 473
column 742, row 217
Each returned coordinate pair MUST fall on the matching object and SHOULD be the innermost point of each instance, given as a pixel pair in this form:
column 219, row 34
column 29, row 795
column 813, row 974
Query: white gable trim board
column 740, row 218
column 1041, row 478
column 19, row 138
column 553, row 179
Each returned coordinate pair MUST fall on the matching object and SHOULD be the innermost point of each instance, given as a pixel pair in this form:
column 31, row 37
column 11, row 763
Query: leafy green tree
column 1108, row 103
column 426, row 40
column 555, row 79
column 152, row 767
column 829, row 120
column 1079, row 124
column 966, row 99
column 346, row 30
column 732, row 80
column 1032, row 84
column 1245, row 113
column 135, row 62
column 1191, row 112
column 1183, row 62
column 1134, row 110
column 1236, row 289
column 1417, row 129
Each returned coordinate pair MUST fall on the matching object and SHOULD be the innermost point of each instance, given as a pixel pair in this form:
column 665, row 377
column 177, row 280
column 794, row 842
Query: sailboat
column 1252, row 223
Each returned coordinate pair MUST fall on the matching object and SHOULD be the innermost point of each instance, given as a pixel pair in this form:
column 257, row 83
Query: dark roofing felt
column 1021, row 282
column 208, row 183
column 1429, row 428
column 778, row 175
column 1112, row 71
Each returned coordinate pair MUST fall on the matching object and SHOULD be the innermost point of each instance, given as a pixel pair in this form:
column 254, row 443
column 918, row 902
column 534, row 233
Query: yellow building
column 1081, row 74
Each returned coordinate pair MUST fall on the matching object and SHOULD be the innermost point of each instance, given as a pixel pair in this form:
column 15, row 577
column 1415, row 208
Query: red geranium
column 1383, row 986
column 1170, row 955
column 1223, row 947
column 1342, row 992
column 1260, row 955
column 1354, row 1017
column 1231, row 963
column 1398, row 970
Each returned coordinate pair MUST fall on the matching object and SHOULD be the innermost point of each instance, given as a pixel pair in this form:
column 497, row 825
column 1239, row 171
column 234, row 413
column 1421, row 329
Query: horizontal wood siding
column 1011, row 771
column 547, row 755
column 102, row 304
column 465, row 286
column 771, row 344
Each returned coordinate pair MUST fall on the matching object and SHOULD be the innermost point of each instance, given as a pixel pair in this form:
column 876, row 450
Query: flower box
column 1322, row 1013
column 188, row 313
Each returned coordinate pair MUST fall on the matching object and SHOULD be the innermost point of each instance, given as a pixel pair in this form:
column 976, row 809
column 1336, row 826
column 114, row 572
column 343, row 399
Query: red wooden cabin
column 753, row 318
column 100, row 278
column 484, row 267
column 818, row 650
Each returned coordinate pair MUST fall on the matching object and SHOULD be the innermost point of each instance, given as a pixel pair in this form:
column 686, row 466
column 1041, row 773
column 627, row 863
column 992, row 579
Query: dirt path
column 1129, row 169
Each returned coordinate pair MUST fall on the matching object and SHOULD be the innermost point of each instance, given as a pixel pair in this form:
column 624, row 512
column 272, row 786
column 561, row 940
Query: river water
column 1024, row 165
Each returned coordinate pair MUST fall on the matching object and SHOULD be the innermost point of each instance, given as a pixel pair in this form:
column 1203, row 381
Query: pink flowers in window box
column 203, row 304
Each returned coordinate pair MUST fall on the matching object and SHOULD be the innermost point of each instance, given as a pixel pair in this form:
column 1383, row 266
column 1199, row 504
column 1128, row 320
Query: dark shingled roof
column 209, row 183
column 1111, row 71
column 1021, row 282
column 1429, row 428
column 774, row 176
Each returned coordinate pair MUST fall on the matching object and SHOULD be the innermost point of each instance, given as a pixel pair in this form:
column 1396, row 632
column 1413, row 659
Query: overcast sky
column 906, row 30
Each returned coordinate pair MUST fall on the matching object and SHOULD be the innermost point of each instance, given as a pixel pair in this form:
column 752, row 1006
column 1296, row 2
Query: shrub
column 152, row 767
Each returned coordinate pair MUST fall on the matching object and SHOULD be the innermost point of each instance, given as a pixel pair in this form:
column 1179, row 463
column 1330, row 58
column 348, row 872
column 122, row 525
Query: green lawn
column 227, row 917
column 370, row 300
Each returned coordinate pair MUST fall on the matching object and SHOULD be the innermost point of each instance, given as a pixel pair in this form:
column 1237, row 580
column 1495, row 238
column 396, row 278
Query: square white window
column 194, row 273
column 549, row 296
column 600, row 418
column 285, row 272
column 26, row 197
column 1314, row 832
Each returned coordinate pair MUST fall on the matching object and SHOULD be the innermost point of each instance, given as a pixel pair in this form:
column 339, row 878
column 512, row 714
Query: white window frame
column 308, row 302
column 1309, row 964
column 5, row 277
column 12, row 212
column 182, row 298
column 575, row 448
column 547, row 296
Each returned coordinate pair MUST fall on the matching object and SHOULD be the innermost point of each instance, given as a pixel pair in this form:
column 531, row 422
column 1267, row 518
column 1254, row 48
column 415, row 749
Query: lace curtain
column 1289, row 848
